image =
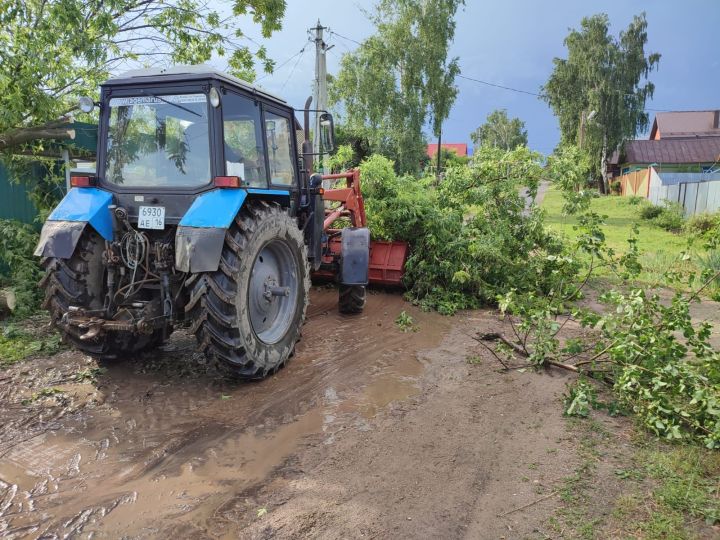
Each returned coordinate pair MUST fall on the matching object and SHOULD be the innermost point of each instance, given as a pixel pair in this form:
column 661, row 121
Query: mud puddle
column 157, row 446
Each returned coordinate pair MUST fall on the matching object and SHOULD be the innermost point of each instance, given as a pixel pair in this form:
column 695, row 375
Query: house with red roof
column 680, row 161
column 460, row 149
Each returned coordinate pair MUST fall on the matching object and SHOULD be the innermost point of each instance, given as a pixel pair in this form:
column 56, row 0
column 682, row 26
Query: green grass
column 19, row 342
column 662, row 491
column 660, row 249
column 681, row 496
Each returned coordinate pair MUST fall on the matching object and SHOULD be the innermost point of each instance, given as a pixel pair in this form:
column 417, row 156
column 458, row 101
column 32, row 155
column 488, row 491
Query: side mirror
column 327, row 133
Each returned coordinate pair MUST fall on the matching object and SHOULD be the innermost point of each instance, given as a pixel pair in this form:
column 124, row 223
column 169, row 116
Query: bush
column 701, row 223
column 650, row 211
column 671, row 218
column 19, row 268
column 635, row 200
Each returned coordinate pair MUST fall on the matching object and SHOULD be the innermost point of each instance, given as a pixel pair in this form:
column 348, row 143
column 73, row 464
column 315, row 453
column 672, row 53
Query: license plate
column 151, row 217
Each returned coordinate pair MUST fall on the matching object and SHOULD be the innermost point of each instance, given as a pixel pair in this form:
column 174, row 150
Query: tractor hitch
column 96, row 326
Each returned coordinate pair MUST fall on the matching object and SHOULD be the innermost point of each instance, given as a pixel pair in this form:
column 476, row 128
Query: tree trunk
column 604, row 188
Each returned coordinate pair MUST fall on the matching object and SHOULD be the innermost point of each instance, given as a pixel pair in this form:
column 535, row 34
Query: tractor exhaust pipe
column 307, row 148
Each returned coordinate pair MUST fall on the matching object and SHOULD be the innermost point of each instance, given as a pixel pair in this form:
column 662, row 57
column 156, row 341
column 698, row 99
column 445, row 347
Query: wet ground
column 369, row 432
column 159, row 442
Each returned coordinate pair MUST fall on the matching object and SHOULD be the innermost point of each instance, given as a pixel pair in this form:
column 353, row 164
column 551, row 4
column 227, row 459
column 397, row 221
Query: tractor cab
column 169, row 135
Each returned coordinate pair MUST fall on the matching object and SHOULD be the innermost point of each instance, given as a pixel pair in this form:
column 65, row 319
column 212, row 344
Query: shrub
column 616, row 187
column 650, row 211
column 710, row 265
column 671, row 218
column 635, row 200
column 701, row 223
column 19, row 268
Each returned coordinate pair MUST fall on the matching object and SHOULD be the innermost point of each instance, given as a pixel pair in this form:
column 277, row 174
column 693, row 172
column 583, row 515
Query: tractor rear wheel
column 351, row 298
column 249, row 312
column 79, row 281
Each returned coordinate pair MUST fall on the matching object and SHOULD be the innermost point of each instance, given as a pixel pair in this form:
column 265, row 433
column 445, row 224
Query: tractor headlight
column 86, row 104
column 214, row 97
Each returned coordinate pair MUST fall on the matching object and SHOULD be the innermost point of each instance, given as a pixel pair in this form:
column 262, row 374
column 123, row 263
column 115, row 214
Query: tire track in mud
column 158, row 450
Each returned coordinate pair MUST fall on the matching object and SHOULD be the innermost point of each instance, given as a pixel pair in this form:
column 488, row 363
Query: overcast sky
column 513, row 43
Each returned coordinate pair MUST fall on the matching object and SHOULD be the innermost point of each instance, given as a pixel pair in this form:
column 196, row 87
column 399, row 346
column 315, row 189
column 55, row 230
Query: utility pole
column 320, row 85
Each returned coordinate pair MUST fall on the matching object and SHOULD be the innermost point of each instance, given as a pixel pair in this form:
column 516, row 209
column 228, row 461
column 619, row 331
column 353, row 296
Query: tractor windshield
column 158, row 141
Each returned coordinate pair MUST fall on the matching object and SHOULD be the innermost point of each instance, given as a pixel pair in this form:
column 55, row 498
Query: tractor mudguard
column 62, row 230
column 355, row 256
column 201, row 232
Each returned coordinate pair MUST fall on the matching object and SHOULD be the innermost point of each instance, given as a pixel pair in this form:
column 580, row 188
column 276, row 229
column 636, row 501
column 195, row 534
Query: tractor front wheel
column 351, row 298
column 249, row 312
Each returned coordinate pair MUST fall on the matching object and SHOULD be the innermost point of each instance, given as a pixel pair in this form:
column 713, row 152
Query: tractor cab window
column 278, row 132
column 158, row 141
column 244, row 153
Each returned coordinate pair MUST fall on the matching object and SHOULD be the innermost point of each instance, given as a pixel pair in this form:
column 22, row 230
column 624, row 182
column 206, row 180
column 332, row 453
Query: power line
column 494, row 85
column 501, row 86
column 283, row 64
column 345, row 37
column 294, row 67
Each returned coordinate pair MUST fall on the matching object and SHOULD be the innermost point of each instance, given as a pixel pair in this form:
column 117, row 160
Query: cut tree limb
column 56, row 129
column 494, row 336
column 8, row 301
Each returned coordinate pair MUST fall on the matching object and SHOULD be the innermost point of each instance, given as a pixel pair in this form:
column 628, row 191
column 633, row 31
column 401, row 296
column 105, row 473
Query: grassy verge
column 660, row 249
column 25, row 339
column 647, row 490
column 679, row 497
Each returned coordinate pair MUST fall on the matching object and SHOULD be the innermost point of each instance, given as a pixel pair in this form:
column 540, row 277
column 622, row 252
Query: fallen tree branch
column 55, row 129
column 494, row 336
column 541, row 499
column 560, row 365
column 507, row 368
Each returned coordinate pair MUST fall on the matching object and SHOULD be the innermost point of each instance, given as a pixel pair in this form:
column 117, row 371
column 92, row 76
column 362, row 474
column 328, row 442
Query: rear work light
column 227, row 181
column 82, row 181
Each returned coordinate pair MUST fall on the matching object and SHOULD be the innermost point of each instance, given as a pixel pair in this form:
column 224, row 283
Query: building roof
column 461, row 149
column 670, row 151
column 184, row 73
column 686, row 124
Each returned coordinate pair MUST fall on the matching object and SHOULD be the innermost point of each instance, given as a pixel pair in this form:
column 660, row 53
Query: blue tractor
column 203, row 212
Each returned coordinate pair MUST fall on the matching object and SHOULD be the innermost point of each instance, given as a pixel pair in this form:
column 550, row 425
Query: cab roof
column 183, row 73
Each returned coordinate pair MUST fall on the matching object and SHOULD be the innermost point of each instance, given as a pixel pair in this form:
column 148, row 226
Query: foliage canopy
column 607, row 75
column 500, row 131
column 51, row 51
column 400, row 79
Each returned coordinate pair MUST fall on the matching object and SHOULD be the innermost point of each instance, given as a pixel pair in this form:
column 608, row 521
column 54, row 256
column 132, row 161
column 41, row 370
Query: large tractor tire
column 351, row 298
column 78, row 281
column 249, row 313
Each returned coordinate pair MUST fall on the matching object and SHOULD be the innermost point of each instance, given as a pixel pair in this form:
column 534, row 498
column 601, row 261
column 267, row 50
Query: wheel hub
column 272, row 291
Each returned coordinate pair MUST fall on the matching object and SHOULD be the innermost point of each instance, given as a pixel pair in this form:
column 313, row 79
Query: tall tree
column 607, row 75
column 51, row 51
column 500, row 131
column 400, row 79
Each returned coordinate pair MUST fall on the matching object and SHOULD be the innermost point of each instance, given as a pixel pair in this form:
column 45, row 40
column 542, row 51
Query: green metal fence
column 15, row 199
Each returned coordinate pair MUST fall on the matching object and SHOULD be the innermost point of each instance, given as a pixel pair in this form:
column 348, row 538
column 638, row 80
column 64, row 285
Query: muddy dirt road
column 368, row 432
